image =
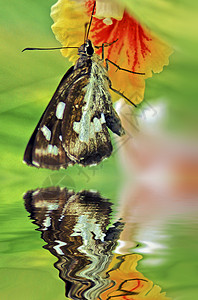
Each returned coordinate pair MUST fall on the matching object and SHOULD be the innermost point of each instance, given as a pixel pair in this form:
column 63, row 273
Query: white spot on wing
column 60, row 138
column 52, row 149
column 76, row 127
column 55, row 150
column 35, row 163
column 46, row 132
column 60, row 110
column 102, row 119
column 97, row 125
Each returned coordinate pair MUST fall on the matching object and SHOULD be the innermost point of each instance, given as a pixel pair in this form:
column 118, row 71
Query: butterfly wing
column 54, row 143
column 44, row 148
column 73, row 128
column 85, row 135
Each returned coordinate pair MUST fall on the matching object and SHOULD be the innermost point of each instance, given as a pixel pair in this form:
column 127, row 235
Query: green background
column 28, row 81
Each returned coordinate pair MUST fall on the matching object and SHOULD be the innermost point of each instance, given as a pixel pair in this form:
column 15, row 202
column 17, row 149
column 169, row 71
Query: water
column 79, row 243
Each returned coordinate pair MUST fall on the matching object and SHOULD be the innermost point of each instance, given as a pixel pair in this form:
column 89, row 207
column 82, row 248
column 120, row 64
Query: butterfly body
column 73, row 128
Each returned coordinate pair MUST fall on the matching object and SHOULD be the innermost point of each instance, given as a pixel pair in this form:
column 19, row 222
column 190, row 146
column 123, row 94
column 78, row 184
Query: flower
column 136, row 49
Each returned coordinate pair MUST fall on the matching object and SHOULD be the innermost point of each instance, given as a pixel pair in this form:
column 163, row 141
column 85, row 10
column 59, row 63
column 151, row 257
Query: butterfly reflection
column 74, row 226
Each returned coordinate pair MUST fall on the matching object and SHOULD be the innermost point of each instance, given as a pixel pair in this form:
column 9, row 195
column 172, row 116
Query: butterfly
column 74, row 127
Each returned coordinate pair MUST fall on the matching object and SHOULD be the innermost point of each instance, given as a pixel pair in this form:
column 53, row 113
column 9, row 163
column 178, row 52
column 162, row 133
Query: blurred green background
column 176, row 23
column 28, row 81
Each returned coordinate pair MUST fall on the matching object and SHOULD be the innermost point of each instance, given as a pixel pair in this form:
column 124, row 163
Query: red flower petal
column 136, row 49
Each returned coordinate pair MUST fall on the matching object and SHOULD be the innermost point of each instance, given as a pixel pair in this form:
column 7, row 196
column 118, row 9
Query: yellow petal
column 69, row 19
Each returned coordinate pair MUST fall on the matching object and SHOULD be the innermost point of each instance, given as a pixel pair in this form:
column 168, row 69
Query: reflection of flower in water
column 136, row 49
column 129, row 284
column 74, row 226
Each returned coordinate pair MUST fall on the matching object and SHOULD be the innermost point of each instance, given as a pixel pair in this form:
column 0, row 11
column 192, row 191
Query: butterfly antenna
column 52, row 48
column 86, row 25
column 90, row 20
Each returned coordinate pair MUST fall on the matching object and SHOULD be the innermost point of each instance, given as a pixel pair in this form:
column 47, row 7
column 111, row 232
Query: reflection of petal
column 128, row 282
column 137, row 49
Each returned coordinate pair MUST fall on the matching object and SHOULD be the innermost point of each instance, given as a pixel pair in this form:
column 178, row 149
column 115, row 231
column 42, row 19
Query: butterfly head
column 86, row 49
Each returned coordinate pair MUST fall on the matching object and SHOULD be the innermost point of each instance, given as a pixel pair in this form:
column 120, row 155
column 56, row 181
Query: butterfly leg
column 119, row 68
column 120, row 94
column 103, row 46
